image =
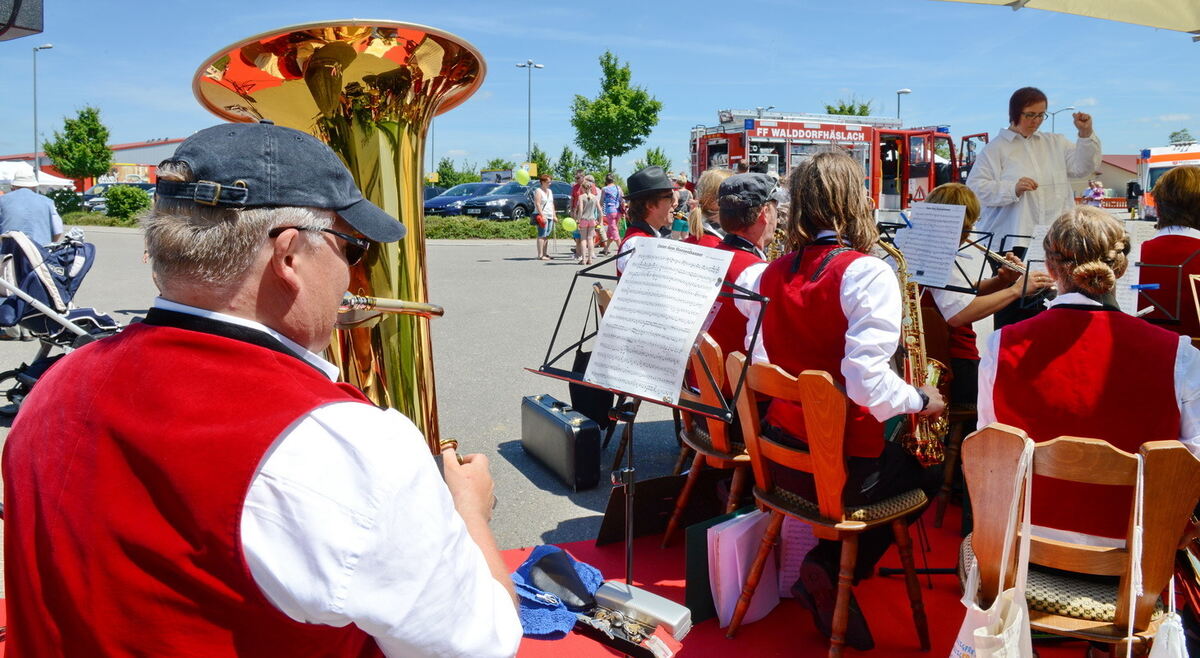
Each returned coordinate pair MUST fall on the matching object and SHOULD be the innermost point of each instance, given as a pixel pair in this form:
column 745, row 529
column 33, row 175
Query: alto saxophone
column 925, row 434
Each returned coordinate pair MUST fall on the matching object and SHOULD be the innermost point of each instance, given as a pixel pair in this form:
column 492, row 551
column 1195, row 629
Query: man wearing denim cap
column 199, row 485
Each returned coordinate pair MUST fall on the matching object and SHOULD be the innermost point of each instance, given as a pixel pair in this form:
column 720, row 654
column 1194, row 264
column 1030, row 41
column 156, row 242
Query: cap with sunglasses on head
column 741, row 191
column 261, row 165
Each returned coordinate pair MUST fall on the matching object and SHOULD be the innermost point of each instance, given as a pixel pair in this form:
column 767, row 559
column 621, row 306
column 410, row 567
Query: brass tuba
column 368, row 89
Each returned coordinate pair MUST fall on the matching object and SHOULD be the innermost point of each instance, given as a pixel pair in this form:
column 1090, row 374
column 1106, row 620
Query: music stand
column 724, row 412
column 888, row 232
column 1175, row 315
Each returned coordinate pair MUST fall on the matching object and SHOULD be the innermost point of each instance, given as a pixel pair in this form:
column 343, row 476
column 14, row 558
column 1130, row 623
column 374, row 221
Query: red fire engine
column 902, row 165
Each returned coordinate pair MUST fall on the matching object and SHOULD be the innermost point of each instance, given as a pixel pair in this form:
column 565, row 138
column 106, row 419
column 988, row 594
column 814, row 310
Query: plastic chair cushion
column 804, row 508
column 699, row 437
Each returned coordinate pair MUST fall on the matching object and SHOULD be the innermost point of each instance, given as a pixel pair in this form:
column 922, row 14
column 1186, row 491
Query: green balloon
column 521, row 176
column 569, row 223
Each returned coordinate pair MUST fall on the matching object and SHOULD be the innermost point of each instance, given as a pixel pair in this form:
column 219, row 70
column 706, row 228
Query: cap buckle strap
column 206, row 193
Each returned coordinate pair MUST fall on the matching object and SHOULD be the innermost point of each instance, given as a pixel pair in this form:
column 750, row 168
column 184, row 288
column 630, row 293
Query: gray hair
column 210, row 244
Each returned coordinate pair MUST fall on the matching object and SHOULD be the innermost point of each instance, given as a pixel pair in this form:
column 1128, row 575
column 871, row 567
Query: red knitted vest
column 728, row 328
column 124, row 480
column 1098, row 374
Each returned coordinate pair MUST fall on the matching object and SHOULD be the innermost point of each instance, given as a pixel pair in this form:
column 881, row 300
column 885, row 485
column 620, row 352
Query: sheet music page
column 931, row 242
column 665, row 293
column 796, row 539
column 1036, row 250
column 1127, row 297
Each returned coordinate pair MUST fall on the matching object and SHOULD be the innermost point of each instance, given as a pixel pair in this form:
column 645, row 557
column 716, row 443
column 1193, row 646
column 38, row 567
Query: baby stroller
column 37, row 285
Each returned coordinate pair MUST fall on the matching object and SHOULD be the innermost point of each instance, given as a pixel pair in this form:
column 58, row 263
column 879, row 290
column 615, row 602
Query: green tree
column 567, row 163
column 81, row 149
column 65, row 200
column 654, row 156
column 619, row 119
column 852, row 107
column 1182, row 136
column 500, row 163
column 449, row 176
column 544, row 165
column 125, row 201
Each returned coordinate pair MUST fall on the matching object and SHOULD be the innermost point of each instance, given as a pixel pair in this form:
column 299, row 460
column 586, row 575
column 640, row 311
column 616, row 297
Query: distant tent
column 10, row 170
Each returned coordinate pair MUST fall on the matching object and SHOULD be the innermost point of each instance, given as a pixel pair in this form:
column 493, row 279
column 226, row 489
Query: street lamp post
column 1052, row 117
column 37, row 161
column 899, row 93
column 528, row 64
column 762, row 109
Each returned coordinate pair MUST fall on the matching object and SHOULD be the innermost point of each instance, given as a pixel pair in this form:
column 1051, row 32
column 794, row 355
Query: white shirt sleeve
column 349, row 522
column 1187, row 393
column 985, row 410
column 1083, row 157
column 872, row 306
column 623, row 255
column 752, row 310
column 986, row 179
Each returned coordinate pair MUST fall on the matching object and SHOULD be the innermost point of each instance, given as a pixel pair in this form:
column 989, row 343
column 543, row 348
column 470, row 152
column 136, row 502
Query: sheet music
column 1128, row 297
column 795, row 541
column 665, row 293
column 931, row 241
column 1037, row 252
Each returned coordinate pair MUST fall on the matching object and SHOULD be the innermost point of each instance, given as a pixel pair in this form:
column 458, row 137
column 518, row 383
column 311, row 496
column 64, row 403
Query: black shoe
column 817, row 590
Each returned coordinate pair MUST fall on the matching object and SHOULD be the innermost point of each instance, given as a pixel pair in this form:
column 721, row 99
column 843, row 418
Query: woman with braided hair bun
column 1084, row 368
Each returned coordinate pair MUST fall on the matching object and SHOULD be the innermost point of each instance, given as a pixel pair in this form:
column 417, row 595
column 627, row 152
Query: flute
column 1000, row 260
column 352, row 303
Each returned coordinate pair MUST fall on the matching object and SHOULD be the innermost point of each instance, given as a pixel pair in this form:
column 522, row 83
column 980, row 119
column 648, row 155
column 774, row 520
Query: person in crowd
column 742, row 167
column 1084, row 368
column 612, row 201
column 748, row 212
column 543, row 210
column 836, row 308
column 576, row 189
column 227, row 489
column 587, row 215
column 33, row 214
column 1177, row 243
column 1021, row 177
column 683, row 202
column 704, row 222
column 961, row 310
column 1093, row 194
column 651, row 197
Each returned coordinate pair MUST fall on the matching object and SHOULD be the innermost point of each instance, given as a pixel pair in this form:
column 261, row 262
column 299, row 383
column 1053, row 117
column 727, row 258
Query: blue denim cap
column 741, row 191
column 545, row 616
column 256, row 165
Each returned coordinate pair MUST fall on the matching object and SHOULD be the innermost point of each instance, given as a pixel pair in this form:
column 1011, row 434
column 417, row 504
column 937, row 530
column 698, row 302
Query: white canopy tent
column 1179, row 15
column 10, row 170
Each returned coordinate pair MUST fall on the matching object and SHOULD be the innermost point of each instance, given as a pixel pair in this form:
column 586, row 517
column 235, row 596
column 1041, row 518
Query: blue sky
column 135, row 61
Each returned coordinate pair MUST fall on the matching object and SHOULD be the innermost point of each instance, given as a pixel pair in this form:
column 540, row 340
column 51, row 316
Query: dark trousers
column 867, row 481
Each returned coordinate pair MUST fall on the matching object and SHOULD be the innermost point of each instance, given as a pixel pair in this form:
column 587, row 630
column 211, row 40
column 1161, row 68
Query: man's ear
column 286, row 256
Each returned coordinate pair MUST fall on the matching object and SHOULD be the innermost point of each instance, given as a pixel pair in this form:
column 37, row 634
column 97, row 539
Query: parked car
column 450, row 202
column 433, row 190
column 513, row 200
column 93, row 198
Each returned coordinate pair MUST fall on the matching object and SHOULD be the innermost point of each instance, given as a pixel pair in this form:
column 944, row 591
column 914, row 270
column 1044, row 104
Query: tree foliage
column 851, row 107
column 567, row 163
column 542, row 159
column 654, row 156
column 499, row 163
column 65, row 201
column 81, row 149
column 1182, row 136
column 125, row 201
column 449, row 175
column 619, row 119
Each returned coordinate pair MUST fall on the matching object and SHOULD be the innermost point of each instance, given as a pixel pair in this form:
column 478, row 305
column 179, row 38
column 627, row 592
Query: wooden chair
column 707, row 437
column 1060, row 604
column 825, row 419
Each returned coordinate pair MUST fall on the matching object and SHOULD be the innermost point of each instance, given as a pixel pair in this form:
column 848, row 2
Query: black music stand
column 1172, row 316
column 627, row 412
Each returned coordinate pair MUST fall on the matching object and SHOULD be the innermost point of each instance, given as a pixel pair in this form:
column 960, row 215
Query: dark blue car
column 450, row 202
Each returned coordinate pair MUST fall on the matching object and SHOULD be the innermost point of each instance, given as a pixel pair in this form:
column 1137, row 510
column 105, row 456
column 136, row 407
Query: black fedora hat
column 649, row 180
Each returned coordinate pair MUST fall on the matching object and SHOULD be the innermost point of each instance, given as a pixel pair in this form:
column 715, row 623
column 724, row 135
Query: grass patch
column 84, row 218
column 469, row 228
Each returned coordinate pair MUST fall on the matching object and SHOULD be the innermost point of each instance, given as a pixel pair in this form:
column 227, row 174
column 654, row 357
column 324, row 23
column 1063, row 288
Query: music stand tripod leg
column 624, row 477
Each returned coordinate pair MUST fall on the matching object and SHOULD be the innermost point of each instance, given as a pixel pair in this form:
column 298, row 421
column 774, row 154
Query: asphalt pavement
column 501, row 309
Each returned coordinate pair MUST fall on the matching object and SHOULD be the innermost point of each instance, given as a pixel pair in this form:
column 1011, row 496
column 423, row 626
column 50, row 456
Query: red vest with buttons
column 728, row 328
column 804, row 329
column 1098, row 374
column 1172, row 250
column 124, row 481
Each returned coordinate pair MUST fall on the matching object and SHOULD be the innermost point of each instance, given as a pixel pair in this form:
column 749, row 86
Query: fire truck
column 1152, row 163
column 902, row 164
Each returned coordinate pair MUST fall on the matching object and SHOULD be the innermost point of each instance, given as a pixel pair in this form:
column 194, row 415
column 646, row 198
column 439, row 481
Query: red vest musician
column 704, row 225
column 1177, row 194
column 198, row 485
column 837, row 309
column 1084, row 368
column 650, row 201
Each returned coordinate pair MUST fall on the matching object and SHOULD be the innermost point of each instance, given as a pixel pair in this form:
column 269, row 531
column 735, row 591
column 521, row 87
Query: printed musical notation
column 930, row 243
column 657, row 309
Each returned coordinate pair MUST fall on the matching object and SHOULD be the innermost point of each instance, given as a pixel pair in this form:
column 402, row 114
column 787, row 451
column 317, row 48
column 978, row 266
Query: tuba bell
column 368, row 89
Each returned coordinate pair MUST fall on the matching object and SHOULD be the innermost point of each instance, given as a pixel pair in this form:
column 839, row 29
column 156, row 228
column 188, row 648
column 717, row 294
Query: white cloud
column 1086, row 102
column 1174, row 117
column 457, row 153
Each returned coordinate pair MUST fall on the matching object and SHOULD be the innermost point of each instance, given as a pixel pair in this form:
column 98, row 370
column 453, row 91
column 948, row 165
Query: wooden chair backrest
column 824, row 420
column 603, row 297
column 1171, row 489
column 708, row 353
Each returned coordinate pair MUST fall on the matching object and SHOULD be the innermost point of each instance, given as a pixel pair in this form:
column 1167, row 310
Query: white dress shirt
column 871, row 303
column 965, row 273
column 1186, row 231
column 347, row 521
column 1049, row 159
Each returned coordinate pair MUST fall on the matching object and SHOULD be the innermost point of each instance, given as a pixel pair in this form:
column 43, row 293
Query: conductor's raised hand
column 470, row 484
column 1083, row 123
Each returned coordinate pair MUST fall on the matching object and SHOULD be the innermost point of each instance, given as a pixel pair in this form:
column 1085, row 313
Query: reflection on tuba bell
column 368, row 89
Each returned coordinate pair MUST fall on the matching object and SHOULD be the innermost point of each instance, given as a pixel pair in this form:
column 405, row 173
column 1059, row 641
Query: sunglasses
column 1035, row 115
column 356, row 247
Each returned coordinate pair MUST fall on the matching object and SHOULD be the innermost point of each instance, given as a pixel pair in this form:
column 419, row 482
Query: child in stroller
column 37, row 287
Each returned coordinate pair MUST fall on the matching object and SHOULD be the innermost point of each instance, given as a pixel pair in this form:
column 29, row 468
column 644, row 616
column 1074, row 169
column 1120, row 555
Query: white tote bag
column 1002, row 630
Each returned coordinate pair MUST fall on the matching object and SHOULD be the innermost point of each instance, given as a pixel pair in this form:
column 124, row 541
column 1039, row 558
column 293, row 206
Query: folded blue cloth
column 544, row 616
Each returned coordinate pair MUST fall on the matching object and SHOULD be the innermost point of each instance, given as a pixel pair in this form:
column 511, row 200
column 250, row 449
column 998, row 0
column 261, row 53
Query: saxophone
column 925, row 434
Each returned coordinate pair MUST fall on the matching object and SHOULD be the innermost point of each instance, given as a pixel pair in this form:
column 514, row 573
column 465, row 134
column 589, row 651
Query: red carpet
column 789, row 630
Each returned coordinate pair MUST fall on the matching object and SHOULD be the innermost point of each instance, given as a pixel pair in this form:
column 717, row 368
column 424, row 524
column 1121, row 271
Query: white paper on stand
column 732, row 547
column 665, row 293
column 931, row 241
column 796, row 539
column 1127, row 297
